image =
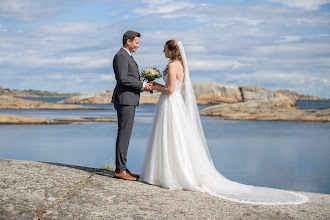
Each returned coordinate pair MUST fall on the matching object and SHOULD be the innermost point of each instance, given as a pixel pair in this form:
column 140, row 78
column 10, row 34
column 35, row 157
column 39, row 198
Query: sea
column 277, row 154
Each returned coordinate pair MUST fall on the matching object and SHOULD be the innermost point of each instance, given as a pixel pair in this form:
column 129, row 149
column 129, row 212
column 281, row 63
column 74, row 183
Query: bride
column 177, row 155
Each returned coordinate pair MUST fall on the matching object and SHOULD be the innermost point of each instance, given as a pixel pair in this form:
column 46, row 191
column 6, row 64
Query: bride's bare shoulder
column 175, row 64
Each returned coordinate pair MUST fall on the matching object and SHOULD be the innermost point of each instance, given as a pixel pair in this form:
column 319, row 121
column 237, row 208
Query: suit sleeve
column 120, row 65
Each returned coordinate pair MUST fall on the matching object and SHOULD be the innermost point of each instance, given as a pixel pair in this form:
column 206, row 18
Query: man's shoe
column 123, row 175
column 133, row 174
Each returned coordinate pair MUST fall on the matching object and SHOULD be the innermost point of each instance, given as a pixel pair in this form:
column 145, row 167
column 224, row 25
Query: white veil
column 208, row 179
column 190, row 101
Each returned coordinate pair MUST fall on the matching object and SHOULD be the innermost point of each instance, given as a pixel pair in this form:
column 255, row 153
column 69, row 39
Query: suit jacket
column 129, row 85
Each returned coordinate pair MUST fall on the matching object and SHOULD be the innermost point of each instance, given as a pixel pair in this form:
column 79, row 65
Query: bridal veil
column 205, row 177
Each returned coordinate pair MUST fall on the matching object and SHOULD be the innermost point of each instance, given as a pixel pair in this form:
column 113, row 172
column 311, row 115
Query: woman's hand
column 154, row 87
column 155, row 83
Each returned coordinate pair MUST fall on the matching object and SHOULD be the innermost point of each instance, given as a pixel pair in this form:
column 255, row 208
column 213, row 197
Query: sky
column 68, row 45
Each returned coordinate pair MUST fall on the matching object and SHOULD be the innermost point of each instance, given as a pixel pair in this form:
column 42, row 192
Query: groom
column 125, row 98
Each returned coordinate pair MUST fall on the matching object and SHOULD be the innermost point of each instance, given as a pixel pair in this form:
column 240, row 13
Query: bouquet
column 150, row 74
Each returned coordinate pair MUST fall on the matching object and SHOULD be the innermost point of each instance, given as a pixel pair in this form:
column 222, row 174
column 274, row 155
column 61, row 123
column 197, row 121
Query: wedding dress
column 177, row 155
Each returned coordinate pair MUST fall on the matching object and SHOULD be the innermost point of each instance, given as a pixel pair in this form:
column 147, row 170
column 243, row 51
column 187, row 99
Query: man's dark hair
column 130, row 35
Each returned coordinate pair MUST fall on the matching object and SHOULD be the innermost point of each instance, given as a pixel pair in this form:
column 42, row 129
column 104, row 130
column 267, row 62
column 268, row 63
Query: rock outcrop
column 8, row 102
column 32, row 93
column 257, row 93
column 266, row 111
column 15, row 119
column 205, row 92
column 297, row 96
column 213, row 93
column 104, row 97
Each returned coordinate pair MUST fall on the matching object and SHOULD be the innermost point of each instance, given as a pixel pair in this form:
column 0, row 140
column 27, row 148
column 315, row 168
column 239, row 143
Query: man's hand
column 148, row 87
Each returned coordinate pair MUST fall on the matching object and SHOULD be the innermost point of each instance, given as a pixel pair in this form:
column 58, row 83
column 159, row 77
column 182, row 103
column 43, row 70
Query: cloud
column 108, row 77
column 224, row 41
column 215, row 65
column 304, row 4
column 28, row 10
column 163, row 7
column 71, row 28
column 287, row 39
column 296, row 81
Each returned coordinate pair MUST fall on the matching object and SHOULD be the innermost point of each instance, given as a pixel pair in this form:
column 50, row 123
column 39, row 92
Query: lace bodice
column 178, row 84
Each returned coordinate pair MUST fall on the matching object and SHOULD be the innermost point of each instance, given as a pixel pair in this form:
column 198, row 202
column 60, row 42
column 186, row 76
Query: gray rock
column 212, row 92
column 256, row 93
column 34, row 190
column 9, row 102
column 297, row 96
column 266, row 110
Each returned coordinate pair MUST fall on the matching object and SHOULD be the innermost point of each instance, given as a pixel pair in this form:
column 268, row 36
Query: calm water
column 285, row 155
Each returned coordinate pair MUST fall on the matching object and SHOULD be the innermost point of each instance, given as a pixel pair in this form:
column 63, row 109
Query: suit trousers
column 125, row 115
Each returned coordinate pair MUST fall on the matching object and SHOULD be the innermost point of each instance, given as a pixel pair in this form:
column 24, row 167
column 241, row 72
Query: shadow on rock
column 98, row 171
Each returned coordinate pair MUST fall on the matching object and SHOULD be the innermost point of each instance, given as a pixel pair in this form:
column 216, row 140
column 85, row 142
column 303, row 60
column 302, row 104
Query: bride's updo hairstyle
column 174, row 50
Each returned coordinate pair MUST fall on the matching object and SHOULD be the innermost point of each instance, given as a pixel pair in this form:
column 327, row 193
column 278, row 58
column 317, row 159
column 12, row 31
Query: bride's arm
column 156, row 83
column 169, row 89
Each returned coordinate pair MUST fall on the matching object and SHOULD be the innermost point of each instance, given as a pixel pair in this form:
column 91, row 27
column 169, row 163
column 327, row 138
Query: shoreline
column 60, row 191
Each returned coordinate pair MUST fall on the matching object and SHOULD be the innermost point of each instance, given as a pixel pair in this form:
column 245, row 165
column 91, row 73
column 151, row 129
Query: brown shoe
column 133, row 174
column 123, row 175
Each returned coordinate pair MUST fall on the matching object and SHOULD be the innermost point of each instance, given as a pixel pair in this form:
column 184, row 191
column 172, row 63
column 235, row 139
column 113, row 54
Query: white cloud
column 28, row 10
column 287, row 39
column 55, row 76
column 274, row 76
column 214, row 65
column 230, row 43
column 71, row 27
column 163, row 7
column 108, row 77
column 304, row 4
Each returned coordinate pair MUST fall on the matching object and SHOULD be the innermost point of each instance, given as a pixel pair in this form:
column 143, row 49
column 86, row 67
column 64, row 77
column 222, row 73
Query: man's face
column 134, row 44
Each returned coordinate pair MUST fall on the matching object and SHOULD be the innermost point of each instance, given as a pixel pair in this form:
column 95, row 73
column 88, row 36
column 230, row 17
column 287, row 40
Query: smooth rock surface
column 297, row 96
column 104, row 97
column 34, row 190
column 8, row 102
column 266, row 110
column 205, row 92
column 256, row 93
column 16, row 119
column 212, row 92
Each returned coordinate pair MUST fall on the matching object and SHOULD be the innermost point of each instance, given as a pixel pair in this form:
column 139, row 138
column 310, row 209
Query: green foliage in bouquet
column 150, row 74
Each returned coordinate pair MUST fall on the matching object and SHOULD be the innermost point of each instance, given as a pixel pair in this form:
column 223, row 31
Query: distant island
column 33, row 93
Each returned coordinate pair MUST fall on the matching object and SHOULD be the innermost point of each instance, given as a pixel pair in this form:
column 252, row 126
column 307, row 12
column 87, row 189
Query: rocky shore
column 35, row 190
column 229, row 102
column 9, row 102
column 297, row 96
column 32, row 93
column 206, row 93
column 266, row 111
column 14, row 119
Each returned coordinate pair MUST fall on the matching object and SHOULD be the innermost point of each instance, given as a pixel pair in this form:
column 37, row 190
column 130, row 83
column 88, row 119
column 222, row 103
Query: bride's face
column 166, row 51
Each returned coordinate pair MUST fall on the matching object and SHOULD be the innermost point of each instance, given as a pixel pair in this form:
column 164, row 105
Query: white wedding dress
column 177, row 155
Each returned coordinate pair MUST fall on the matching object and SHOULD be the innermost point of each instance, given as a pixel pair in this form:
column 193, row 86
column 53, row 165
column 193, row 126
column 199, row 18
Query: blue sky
column 68, row 46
